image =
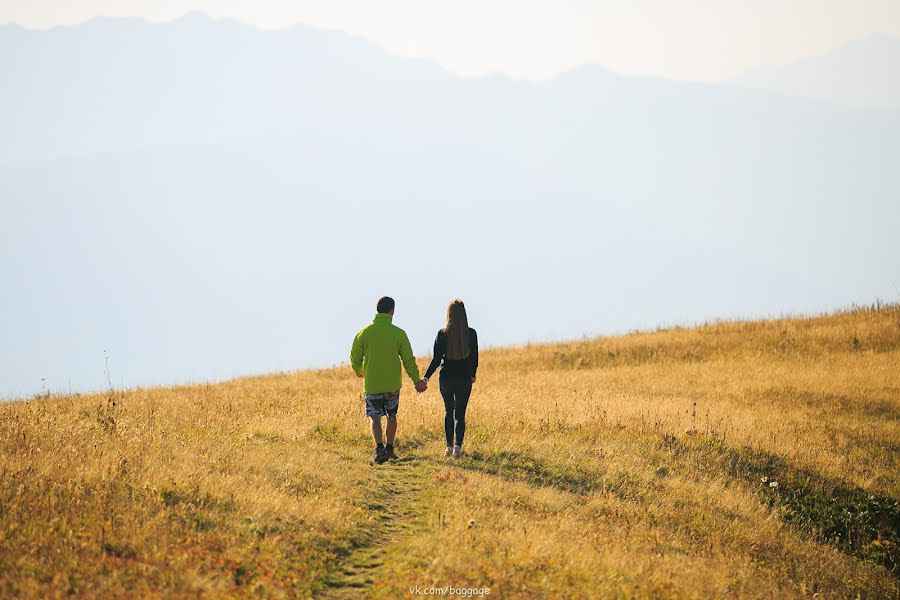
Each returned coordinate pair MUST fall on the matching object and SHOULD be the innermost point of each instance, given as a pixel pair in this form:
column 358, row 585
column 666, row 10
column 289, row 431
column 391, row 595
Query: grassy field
column 750, row 460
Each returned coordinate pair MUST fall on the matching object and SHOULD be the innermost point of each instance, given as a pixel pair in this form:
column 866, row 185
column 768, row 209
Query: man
column 376, row 354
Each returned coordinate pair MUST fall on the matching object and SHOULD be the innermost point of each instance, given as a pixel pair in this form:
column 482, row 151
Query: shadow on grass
column 857, row 521
column 421, row 439
column 518, row 466
column 338, row 434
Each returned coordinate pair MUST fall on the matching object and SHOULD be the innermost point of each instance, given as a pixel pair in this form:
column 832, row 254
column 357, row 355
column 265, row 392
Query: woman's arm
column 474, row 350
column 440, row 347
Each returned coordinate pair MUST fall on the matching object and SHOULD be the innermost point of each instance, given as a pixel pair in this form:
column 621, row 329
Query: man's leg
column 391, row 429
column 380, row 454
column 376, row 431
column 391, row 406
column 374, row 410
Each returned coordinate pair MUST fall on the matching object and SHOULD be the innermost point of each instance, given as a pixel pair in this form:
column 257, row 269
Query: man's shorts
column 383, row 405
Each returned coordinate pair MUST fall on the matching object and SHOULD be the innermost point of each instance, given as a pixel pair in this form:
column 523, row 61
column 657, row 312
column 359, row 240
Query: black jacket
column 454, row 370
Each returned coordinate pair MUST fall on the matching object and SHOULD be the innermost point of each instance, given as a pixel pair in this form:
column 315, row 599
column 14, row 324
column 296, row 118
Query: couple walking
column 377, row 352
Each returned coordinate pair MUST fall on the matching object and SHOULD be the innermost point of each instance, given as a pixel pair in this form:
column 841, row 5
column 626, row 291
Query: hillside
column 642, row 465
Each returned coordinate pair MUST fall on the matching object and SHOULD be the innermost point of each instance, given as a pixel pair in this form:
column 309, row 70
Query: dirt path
column 396, row 509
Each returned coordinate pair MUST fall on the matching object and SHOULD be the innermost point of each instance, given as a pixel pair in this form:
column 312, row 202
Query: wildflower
column 773, row 484
column 764, row 479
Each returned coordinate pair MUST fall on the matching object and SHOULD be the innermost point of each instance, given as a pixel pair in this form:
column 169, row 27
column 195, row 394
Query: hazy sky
column 706, row 40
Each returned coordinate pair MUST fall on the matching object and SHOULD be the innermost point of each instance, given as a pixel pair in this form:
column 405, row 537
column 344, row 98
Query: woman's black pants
column 456, row 398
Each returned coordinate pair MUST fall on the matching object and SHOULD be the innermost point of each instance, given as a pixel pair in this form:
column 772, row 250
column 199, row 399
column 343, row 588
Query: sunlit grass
column 629, row 466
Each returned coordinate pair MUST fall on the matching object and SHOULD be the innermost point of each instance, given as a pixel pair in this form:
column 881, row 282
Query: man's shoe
column 389, row 449
column 449, row 451
column 380, row 455
column 457, row 451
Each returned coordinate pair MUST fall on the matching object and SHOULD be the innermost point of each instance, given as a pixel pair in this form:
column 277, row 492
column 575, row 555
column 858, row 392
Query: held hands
column 421, row 386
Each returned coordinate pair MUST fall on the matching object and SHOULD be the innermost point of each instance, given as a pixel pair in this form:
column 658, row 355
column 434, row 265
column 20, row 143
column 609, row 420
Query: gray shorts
column 383, row 405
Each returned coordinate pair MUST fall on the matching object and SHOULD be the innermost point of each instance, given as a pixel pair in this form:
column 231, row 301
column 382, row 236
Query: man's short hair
column 385, row 305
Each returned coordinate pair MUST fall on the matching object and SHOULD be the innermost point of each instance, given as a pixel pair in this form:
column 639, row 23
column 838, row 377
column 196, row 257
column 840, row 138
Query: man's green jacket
column 376, row 353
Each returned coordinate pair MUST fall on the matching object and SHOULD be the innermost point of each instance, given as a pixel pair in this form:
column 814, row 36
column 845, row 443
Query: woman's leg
column 463, row 391
column 447, row 394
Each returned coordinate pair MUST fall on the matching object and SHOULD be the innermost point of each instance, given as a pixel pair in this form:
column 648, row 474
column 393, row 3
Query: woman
column 457, row 346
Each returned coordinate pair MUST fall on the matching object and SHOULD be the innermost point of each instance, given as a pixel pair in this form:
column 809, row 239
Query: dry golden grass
column 617, row 467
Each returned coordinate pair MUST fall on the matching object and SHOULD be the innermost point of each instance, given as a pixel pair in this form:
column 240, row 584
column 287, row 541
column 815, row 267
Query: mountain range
column 202, row 199
column 862, row 73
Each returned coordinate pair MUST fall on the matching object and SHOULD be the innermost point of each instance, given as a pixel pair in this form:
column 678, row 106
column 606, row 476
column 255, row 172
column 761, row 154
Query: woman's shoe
column 457, row 451
column 449, row 451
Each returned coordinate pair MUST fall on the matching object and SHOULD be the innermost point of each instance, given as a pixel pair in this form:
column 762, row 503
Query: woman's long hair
column 457, row 330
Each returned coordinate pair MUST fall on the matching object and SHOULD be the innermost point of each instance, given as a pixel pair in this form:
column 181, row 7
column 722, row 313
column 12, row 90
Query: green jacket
column 377, row 351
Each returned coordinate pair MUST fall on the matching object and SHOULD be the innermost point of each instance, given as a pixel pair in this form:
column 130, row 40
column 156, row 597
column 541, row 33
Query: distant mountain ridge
column 864, row 73
column 118, row 84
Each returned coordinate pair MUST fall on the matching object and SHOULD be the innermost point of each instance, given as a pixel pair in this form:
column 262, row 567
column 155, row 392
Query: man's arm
column 356, row 354
column 409, row 361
